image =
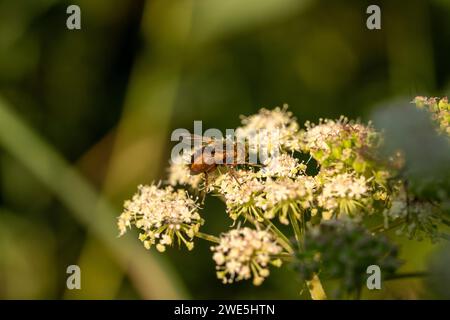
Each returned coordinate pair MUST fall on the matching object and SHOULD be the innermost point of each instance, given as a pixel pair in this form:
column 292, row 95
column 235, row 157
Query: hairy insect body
column 208, row 157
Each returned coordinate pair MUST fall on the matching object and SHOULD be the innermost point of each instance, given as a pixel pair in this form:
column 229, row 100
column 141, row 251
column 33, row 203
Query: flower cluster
column 179, row 173
column 162, row 214
column 284, row 194
column 352, row 178
column 239, row 189
column 245, row 253
column 343, row 250
column 344, row 193
column 421, row 218
column 326, row 202
column 422, row 201
column 248, row 194
column 439, row 109
column 283, row 165
column 270, row 131
column 341, row 144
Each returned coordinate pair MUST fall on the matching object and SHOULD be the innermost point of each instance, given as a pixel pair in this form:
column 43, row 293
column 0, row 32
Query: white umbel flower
column 238, row 190
column 283, row 194
column 245, row 253
column 318, row 137
column 343, row 192
column 269, row 131
column 163, row 215
column 345, row 185
column 283, row 165
column 337, row 138
column 179, row 173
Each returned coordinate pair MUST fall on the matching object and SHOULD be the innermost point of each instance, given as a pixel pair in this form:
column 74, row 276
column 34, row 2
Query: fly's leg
column 234, row 175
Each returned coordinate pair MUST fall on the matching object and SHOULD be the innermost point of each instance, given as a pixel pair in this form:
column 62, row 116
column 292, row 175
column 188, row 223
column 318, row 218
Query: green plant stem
column 316, row 289
column 393, row 225
column 284, row 241
column 296, row 228
column 315, row 285
column 207, row 237
column 281, row 238
column 284, row 256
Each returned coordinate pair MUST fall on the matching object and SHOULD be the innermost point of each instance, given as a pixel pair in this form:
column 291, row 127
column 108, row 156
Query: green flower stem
column 284, row 241
column 207, row 237
column 296, row 227
column 316, row 289
column 281, row 238
column 393, row 225
column 284, row 257
column 315, row 285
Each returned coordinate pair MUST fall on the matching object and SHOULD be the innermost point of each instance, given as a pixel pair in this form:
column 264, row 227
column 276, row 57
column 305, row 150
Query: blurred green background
column 86, row 116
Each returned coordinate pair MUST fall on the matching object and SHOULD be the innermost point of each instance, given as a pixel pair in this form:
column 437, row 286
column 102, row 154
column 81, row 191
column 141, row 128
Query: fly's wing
column 234, row 153
column 189, row 138
column 195, row 142
column 240, row 153
column 197, row 156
